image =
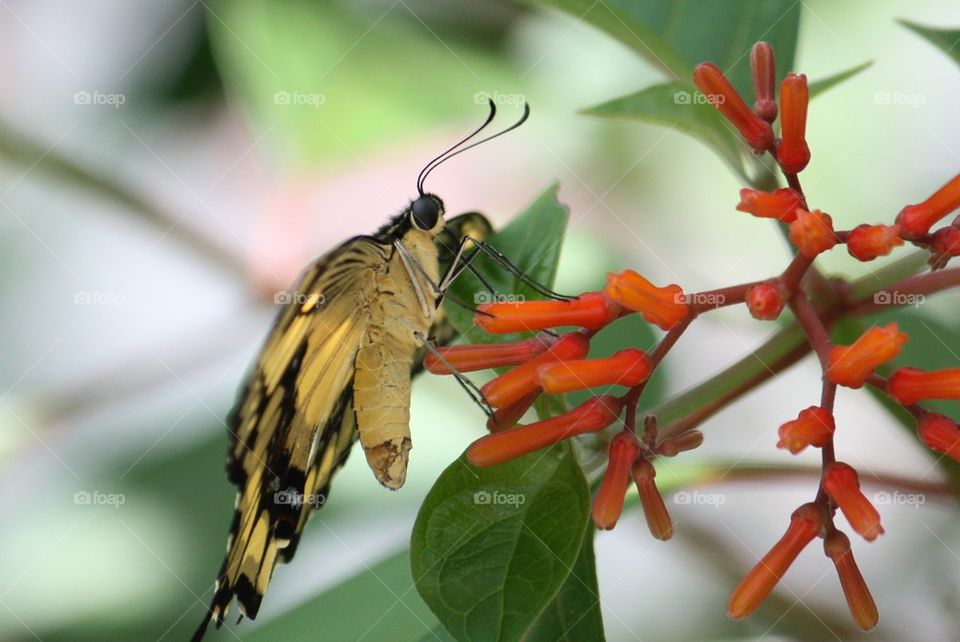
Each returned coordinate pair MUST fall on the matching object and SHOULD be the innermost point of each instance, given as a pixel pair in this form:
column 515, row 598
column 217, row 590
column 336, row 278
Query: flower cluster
column 554, row 362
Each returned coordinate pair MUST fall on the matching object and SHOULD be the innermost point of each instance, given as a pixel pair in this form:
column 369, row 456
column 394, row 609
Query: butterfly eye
column 426, row 212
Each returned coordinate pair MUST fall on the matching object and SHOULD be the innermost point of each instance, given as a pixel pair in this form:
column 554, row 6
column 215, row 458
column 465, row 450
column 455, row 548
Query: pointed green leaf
column 947, row 40
column 817, row 87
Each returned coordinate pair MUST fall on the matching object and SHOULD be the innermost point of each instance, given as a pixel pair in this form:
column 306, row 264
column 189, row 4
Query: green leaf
column 675, row 36
column 817, row 87
column 532, row 241
column 676, row 105
column 376, row 604
column 491, row 547
column 574, row 614
column 944, row 39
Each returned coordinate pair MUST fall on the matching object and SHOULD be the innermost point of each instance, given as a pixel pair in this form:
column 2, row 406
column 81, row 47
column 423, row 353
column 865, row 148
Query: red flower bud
column 672, row 446
column 793, row 153
column 764, row 68
column 812, row 232
column 851, row 365
column 867, row 242
column 508, row 416
column 516, row 384
column 916, row 220
column 765, row 300
column 608, row 503
column 654, row 510
column 664, row 307
column 779, row 204
column 805, row 523
column 592, row 415
column 841, row 483
column 910, row 385
column 591, row 310
column 814, row 426
column 721, row 94
column 941, row 434
column 944, row 245
column 862, row 607
column 625, row 368
column 480, row 356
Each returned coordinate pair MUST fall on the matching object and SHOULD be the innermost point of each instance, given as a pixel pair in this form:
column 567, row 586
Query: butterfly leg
column 469, row 387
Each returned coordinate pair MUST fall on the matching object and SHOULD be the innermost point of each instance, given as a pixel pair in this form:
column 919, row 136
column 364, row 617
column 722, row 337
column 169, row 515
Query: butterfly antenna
column 439, row 158
column 450, row 153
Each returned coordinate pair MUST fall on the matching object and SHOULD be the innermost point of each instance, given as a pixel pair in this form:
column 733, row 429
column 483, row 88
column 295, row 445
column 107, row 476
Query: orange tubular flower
column 851, row 365
column 805, row 523
column 654, row 510
column 764, row 68
column 673, row 446
column 765, row 301
column 813, row 427
column 718, row 90
column 591, row 310
column 793, row 153
column 812, row 232
column 592, row 415
column 508, row 416
column 842, row 484
column 779, row 204
column 862, row 607
column 625, row 368
column 481, row 356
column 916, row 220
column 608, row 503
column 941, row 434
column 910, row 385
column 663, row 307
column 867, row 242
column 944, row 245
column 516, row 384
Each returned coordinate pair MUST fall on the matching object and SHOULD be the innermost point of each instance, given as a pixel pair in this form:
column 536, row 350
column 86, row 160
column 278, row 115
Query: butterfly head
column 426, row 213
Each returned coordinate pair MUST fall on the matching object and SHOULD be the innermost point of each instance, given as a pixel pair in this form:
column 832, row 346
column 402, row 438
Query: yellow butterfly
column 336, row 366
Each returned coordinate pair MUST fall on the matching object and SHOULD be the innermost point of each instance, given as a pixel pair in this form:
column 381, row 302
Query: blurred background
column 165, row 167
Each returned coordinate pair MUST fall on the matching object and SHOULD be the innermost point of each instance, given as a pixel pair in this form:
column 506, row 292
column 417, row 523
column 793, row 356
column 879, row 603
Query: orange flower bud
column 813, row 427
column 842, row 484
column 672, row 446
column 592, row 415
column 591, row 310
column 480, row 356
column 910, row 385
column 516, row 384
column 625, row 368
column 944, row 245
column 867, row 242
column 508, row 416
column 779, row 204
column 851, row 365
column 812, row 232
column 862, row 607
column 663, row 307
column 654, row 510
column 608, row 504
column 941, row 434
column 765, row 301
column 793, row 153
column 805, row 523
column 916, row 220
column 764, row 68
column 721, row 94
